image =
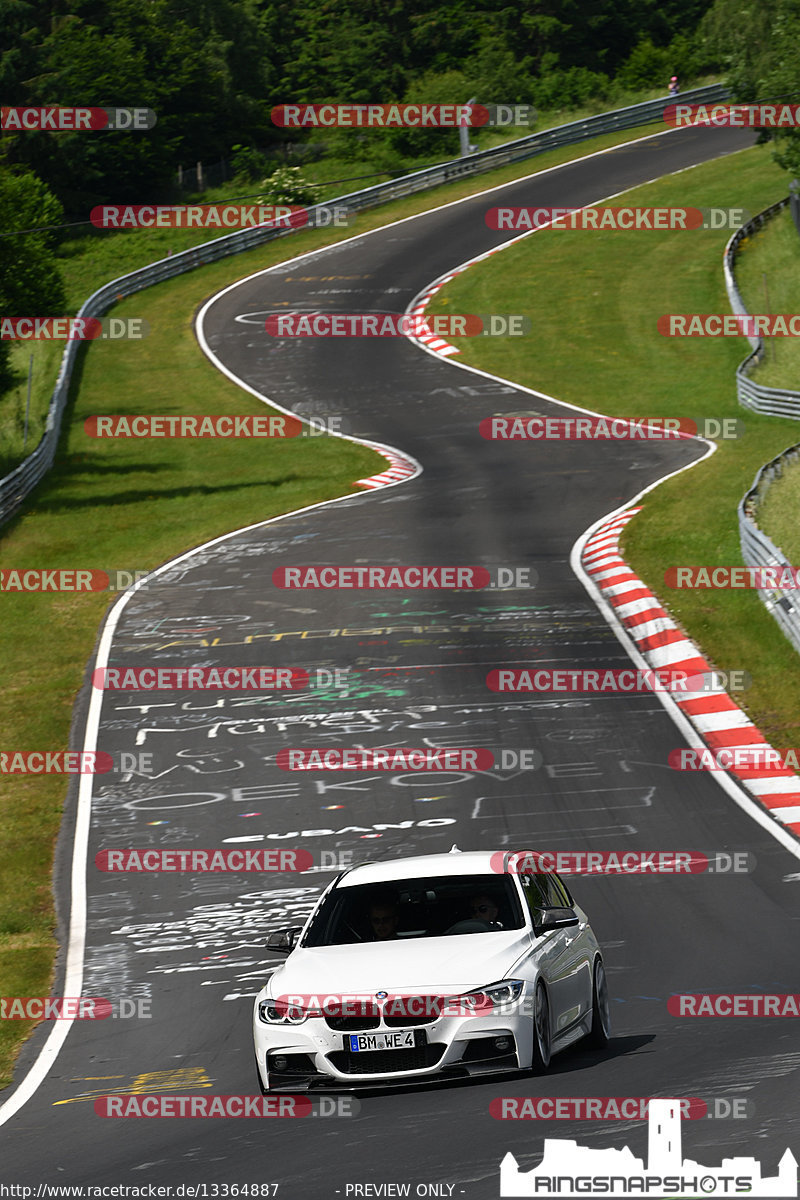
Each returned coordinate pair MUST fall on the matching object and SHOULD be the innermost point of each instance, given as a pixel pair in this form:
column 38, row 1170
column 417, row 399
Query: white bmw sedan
column 428, row 967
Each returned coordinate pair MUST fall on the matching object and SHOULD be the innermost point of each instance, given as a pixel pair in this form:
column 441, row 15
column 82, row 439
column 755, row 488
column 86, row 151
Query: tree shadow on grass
column 62, row 503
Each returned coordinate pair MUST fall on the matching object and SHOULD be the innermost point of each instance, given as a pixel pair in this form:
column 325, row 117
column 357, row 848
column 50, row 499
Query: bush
column 248, row 164
column 574, row 88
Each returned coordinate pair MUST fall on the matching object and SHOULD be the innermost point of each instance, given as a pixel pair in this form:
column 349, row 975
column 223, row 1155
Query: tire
column 541, row 1031
column 601, row 1016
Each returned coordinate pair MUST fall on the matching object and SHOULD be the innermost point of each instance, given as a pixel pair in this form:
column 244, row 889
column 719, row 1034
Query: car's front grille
column 381, row 1062
column 351, row 1024
column 409, row 1022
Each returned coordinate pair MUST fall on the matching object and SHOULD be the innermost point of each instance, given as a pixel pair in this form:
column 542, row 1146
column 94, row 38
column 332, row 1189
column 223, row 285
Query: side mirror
column 283, row 941
column 555, row 918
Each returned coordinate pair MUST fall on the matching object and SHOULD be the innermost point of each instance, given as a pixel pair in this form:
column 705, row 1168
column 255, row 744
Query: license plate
column 400, row 1039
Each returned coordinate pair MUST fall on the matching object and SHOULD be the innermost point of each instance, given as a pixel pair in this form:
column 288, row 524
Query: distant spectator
column 673, row 86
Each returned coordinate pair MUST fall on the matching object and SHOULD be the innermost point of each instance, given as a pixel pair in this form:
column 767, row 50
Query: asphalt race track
column 193, row 945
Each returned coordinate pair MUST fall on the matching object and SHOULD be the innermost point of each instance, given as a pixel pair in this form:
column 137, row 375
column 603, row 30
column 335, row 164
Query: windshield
column 434, row 906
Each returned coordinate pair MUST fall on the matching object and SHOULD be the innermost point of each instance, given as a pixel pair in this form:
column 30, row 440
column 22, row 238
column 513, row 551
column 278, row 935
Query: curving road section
column 190, row 948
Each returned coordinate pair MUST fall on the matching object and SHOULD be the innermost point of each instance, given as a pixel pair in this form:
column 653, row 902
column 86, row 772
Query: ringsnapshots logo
column 54, row 119
column 412, row 325
column 570, row 1170
column 517, row 220
column 402, row 116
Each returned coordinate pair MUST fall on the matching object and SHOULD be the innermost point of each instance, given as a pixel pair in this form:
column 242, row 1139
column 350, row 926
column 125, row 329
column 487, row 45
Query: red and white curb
column 400, row 468
column 421, row 302
column 429, row 339
column 714, row 716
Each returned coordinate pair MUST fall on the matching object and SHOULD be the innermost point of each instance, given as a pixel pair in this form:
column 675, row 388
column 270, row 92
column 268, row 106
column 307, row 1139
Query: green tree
column 30, row 283
column 759, row 46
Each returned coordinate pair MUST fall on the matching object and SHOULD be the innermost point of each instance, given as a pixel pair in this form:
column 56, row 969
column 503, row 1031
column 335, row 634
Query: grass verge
column 596, row 346
column 767, row 274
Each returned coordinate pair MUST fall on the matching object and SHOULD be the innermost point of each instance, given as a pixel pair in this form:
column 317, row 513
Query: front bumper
column 314, row 1054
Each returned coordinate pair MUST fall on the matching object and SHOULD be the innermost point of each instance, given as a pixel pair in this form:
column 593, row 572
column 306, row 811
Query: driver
column 383, row 918
column 483, row 908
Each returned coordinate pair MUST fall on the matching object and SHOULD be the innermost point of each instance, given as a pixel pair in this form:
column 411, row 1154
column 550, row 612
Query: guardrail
column 15, row 486
column 759, row 551
column 773, row 402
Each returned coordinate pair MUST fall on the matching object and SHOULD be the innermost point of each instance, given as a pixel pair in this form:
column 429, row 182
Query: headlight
column 275, row 1012
column 508, row 991
column 497, row 996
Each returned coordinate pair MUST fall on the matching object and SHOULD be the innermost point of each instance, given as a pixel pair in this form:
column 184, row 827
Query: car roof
column 468, row 862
